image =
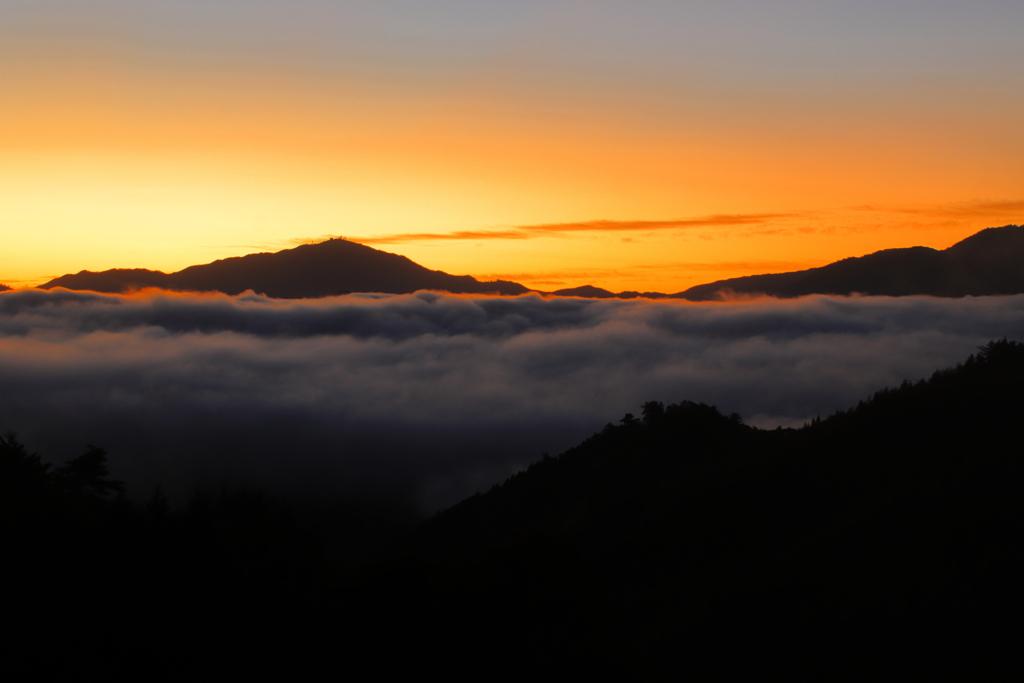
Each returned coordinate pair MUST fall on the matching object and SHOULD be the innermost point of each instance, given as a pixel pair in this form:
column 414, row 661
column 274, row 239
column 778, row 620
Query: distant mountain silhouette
column 592, row 292
column 308, row 271
column 3, row 287
column 989, row 262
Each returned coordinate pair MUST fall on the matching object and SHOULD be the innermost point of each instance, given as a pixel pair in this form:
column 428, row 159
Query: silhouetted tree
column 87, row 475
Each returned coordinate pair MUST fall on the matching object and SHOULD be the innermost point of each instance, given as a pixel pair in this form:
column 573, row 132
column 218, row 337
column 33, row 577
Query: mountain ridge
column 329, row 268
column 898, row 516
column 986, row 263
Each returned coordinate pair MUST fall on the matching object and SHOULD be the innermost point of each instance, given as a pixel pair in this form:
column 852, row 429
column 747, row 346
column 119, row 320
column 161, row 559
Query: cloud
column 975, row 209
column 558, row 229
column 428, row 395
column 765, row 266
column 596, row 275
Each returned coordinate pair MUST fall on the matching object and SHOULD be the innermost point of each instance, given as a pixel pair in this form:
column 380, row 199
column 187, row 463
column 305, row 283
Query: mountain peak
column 328, row 268
column 986, row 263
column 586, row 291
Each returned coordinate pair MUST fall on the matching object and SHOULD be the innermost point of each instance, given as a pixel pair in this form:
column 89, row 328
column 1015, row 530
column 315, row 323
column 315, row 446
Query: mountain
column 989, row 262
column 3, row 287
column 592, row 292
column 683, row 537
column 308, row 271
column 884, row 537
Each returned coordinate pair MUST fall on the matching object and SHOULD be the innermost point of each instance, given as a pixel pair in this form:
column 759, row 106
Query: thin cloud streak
column 976, row 209
column 758, row 266
column 510, row 234
column 596, row 275
column 556, row 229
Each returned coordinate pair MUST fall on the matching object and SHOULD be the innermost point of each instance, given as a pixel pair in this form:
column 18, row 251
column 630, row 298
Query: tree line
column 889, row 533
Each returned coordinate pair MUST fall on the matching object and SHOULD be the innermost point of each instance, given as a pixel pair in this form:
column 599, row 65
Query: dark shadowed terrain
column 887, row 536
column 308, row 271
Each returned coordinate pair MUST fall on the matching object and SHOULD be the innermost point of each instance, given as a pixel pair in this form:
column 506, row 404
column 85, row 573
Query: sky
column 641, row 145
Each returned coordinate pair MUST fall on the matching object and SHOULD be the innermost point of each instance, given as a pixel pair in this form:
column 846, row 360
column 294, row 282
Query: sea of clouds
column 427, row 395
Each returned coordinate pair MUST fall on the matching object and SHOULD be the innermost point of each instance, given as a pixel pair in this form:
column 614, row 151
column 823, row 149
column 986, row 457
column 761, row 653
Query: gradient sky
column 639, row 145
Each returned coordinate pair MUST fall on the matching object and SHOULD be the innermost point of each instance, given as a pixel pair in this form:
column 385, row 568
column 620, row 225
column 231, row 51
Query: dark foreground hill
column 887, row 537
column 892, row 530
column 308, row 271
column 989, row 262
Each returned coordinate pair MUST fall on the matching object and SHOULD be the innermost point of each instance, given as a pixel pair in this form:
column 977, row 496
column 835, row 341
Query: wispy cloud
column 721, row 266
column 558, row 277
column 974, row 209
column 508, row 234
column 521, row 232
column 678, row 268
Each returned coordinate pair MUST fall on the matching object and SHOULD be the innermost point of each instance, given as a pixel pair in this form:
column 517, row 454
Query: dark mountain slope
column 313, row 270
column 887, row 537
column 684, row 537
column 3, row 287
column 989, row 262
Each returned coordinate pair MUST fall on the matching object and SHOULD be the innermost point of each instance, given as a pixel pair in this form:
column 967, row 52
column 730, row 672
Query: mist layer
column 432, row 396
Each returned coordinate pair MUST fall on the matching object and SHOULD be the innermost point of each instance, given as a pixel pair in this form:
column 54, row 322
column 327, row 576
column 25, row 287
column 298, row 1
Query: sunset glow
column 652, row 148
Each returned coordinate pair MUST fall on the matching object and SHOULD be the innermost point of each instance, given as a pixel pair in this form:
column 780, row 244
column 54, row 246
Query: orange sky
column 529, row 157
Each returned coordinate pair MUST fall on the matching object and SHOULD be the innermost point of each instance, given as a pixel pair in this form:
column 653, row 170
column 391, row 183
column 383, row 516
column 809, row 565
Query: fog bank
column 430, row 395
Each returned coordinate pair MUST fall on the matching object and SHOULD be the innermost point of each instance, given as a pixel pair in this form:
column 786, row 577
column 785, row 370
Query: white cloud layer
column 433, row 395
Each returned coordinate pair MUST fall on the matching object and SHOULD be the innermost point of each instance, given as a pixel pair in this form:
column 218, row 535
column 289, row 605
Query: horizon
column 723, row 295
column 649, row 148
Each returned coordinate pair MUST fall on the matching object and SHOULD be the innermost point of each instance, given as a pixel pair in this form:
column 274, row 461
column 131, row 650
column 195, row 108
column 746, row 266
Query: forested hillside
column 900, row 516
column 681, row 537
